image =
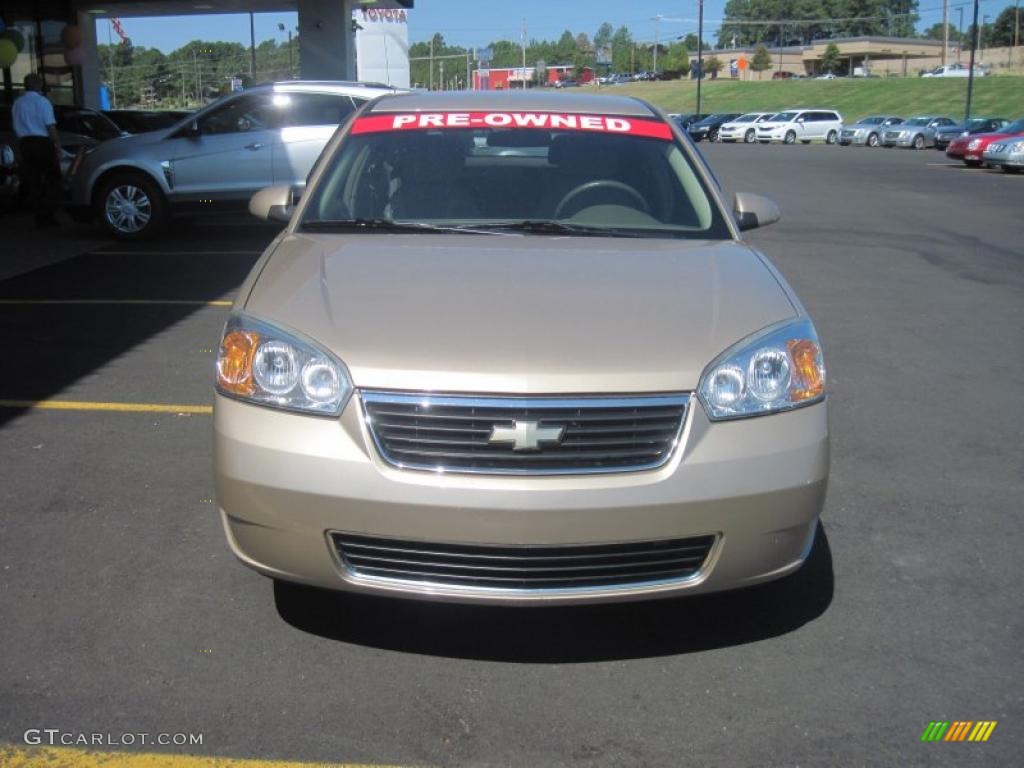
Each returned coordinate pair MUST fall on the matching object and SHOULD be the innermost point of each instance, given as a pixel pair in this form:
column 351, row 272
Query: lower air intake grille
column 524, row 435
column 523, row 567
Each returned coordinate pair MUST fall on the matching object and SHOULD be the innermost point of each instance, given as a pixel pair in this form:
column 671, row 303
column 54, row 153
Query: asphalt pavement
column 123, row 611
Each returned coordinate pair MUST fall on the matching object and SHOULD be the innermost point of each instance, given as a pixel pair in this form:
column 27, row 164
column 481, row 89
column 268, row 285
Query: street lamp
column 281, row 27
column 700, row 49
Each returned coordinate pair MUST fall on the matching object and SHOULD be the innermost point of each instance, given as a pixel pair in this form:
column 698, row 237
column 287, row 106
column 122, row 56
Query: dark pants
column 40, row 172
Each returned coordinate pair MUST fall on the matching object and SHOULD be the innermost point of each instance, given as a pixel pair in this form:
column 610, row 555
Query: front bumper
column 699, row 135
column 857, row 138
column 903, row 141
column 286, row 482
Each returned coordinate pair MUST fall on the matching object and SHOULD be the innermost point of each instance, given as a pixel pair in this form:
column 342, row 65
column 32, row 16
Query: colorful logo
column 958, row 730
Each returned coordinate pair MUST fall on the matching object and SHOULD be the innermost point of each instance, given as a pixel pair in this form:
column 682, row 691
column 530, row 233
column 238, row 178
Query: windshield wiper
column 387, row 225
column 552, row 227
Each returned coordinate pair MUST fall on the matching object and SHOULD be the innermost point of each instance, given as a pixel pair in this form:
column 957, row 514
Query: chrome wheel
column 748, row 138
column 832, row 137
column 128, row 208
column 873, row 140
column 790, row 138
column 919, row 141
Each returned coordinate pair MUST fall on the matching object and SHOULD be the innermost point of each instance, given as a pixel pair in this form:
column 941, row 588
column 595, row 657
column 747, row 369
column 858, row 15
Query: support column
column 326, row 44
column 89, row 72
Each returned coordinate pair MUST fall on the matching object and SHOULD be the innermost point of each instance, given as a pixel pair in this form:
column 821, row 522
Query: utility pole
column 970, row 73
column 945, row 30
column 700, row 48
column 252, row 45
column 431, row 87
column 522, row 41
column 113, row 87
column 281, row 27
column 960, row 44
column 442, row 74
column 468, row 78
column 657, row 30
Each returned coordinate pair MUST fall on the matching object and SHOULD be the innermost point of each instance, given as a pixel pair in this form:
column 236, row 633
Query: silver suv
column 215, row 158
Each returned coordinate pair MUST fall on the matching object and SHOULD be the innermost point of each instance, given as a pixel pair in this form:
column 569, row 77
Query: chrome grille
column 892, row 134
column 453, row 433
column 515, row 568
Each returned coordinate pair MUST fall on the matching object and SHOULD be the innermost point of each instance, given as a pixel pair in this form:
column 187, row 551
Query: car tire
column 919, row 141
column 973, row 163
column 790, row 138
column 1008, row 169
column 748, row 137
column 872, row 140
column 131, row 206
column 832, row 137
column 715, row 137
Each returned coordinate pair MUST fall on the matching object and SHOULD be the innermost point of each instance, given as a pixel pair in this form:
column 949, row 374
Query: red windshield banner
column 418, row 121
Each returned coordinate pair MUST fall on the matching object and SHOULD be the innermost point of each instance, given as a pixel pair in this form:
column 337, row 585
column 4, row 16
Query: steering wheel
column 589, row 186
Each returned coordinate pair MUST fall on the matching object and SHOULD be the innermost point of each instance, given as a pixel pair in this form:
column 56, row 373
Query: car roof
column 346, row 87
column 496, row 101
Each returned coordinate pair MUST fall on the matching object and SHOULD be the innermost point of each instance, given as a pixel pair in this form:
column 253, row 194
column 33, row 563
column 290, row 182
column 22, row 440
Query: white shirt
column 32, row 112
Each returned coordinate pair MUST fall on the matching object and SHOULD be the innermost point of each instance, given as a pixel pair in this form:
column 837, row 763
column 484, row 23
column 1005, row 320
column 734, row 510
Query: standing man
column 36, row 128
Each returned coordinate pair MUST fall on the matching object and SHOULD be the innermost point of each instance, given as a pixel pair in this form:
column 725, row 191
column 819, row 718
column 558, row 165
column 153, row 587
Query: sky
column 476, row 23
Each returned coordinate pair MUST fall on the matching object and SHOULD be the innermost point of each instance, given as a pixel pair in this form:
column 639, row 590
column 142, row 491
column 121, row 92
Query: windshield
column 919, row 121
column 746, row 118
column 872, row 120
column 591, row 174
column 1017, row 127
column 783, row 117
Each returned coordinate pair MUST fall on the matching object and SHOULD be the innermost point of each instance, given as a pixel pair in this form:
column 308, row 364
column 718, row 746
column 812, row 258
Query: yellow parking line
column 74, row 405
column 184, row 302
column 66, row 757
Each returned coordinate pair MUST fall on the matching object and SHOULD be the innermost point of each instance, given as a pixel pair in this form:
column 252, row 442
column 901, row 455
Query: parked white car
column 804, row 125
column 744, row 127
column 956, row 70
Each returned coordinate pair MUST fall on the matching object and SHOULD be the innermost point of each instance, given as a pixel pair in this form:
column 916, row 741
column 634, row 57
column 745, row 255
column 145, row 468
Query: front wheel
column 919, row 141
column 131, row 206
column 748, row 137
column 972, row 163
column 873, row 140
column 832, row 137
column 714, row 137
column 1009, row 169
column 790, row 137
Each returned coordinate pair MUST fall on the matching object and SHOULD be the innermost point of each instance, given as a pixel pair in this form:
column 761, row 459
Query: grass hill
column 996, row 96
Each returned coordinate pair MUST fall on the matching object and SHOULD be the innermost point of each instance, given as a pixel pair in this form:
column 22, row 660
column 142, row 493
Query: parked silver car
column 216, row 158
column 1007, row 154
column 867, row 131
column 917, row 132
column 743, row 128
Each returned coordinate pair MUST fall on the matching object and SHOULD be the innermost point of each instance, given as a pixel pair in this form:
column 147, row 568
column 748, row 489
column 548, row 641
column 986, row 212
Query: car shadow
column 567, row 634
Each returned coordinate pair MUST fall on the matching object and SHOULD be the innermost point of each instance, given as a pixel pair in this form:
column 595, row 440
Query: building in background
column 382, row 45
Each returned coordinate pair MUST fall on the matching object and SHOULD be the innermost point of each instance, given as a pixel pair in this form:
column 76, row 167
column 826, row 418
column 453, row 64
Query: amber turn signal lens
column 808, row 379
column 234, row 363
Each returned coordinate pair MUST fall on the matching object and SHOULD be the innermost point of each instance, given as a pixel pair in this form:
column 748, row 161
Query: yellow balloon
column 8, row 53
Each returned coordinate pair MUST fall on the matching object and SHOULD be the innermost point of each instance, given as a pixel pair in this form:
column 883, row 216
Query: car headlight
column 260, row 363
column 974, row 144
column 777, row 369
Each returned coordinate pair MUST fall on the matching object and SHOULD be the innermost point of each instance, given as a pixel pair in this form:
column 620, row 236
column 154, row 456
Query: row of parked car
column 995, row 141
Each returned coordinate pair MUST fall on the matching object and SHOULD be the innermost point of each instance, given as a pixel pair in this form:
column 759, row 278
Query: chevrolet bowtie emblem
column 526, row 435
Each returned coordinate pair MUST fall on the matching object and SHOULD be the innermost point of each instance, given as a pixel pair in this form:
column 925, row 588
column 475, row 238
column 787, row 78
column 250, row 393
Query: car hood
column 519, row 314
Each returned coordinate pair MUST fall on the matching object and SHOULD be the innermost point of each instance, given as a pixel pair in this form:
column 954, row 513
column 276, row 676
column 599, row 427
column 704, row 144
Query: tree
column 1004, row 28
column 714, row 66
column 584, row 55
column 934, row 32
column 622, row 48
column 830, row 58
column 761, row 60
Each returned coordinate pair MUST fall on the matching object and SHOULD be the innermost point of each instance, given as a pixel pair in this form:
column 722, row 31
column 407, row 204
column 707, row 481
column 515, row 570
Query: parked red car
column 970, row 148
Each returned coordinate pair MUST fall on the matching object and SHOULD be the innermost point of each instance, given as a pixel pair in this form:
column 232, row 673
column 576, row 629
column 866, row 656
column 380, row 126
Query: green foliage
column 190, row 75
column 761, row 60
column 830, row 58
column 814, row 19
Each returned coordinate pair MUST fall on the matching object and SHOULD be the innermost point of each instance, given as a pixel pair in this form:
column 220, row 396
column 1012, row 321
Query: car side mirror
column 753, row 211
column 273, row 203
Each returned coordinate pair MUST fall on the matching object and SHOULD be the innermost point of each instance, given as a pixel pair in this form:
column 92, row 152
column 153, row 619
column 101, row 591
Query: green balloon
column 8, row 53
column 15, row 37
